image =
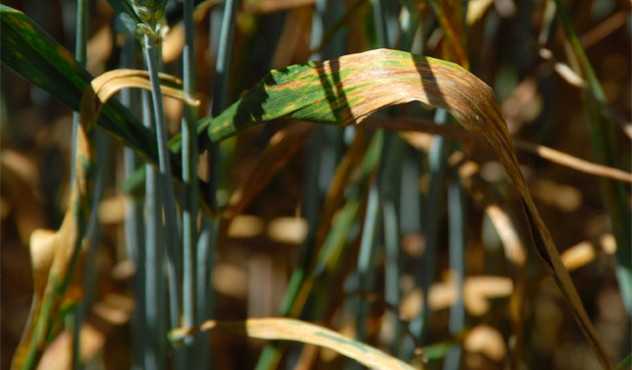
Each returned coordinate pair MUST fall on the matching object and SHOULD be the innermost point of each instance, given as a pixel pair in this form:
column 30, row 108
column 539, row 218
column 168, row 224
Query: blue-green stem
column 224, row 51
column 189, row 176
column 208, row 235
column 81, row 47
column 390, row 178
column 155, row 346
column 205, row 261
column 366, row 259
column 432, row 214
column 392, row 292
column 81, row 55
column 458, row 236
column 134, row 219
column 167, row 195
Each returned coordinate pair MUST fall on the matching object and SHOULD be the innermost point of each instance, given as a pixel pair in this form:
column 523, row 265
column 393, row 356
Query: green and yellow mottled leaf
column 348, row 89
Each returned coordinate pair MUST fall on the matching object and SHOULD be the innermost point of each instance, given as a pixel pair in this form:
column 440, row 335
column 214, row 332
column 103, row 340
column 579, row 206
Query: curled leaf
column 111, row 82
column 350, row 88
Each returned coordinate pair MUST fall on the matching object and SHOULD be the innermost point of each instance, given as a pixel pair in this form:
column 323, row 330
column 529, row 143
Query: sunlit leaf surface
column 349, row 89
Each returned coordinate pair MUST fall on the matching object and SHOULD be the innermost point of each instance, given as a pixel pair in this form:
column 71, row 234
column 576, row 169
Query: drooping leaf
column 55, row 255
column 349, row 89
column 300, row 331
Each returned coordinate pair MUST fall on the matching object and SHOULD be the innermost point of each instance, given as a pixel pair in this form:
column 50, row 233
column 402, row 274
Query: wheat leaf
column 349, row 89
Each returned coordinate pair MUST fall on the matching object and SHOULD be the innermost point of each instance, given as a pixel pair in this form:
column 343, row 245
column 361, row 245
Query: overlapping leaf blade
column 33, row 54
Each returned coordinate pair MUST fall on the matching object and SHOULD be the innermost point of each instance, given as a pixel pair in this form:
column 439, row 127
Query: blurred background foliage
column 276, row 182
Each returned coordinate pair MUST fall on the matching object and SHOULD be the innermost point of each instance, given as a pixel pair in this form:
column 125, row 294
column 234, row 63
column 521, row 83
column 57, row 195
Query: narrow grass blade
column 327, row 256
column 326, row 252
column 346, row 173
column 392, row 290
column 299, row 331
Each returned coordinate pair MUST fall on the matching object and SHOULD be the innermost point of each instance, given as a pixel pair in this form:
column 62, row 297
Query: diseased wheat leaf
column 300, row 331
column 349, row 89
column 55, row 255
